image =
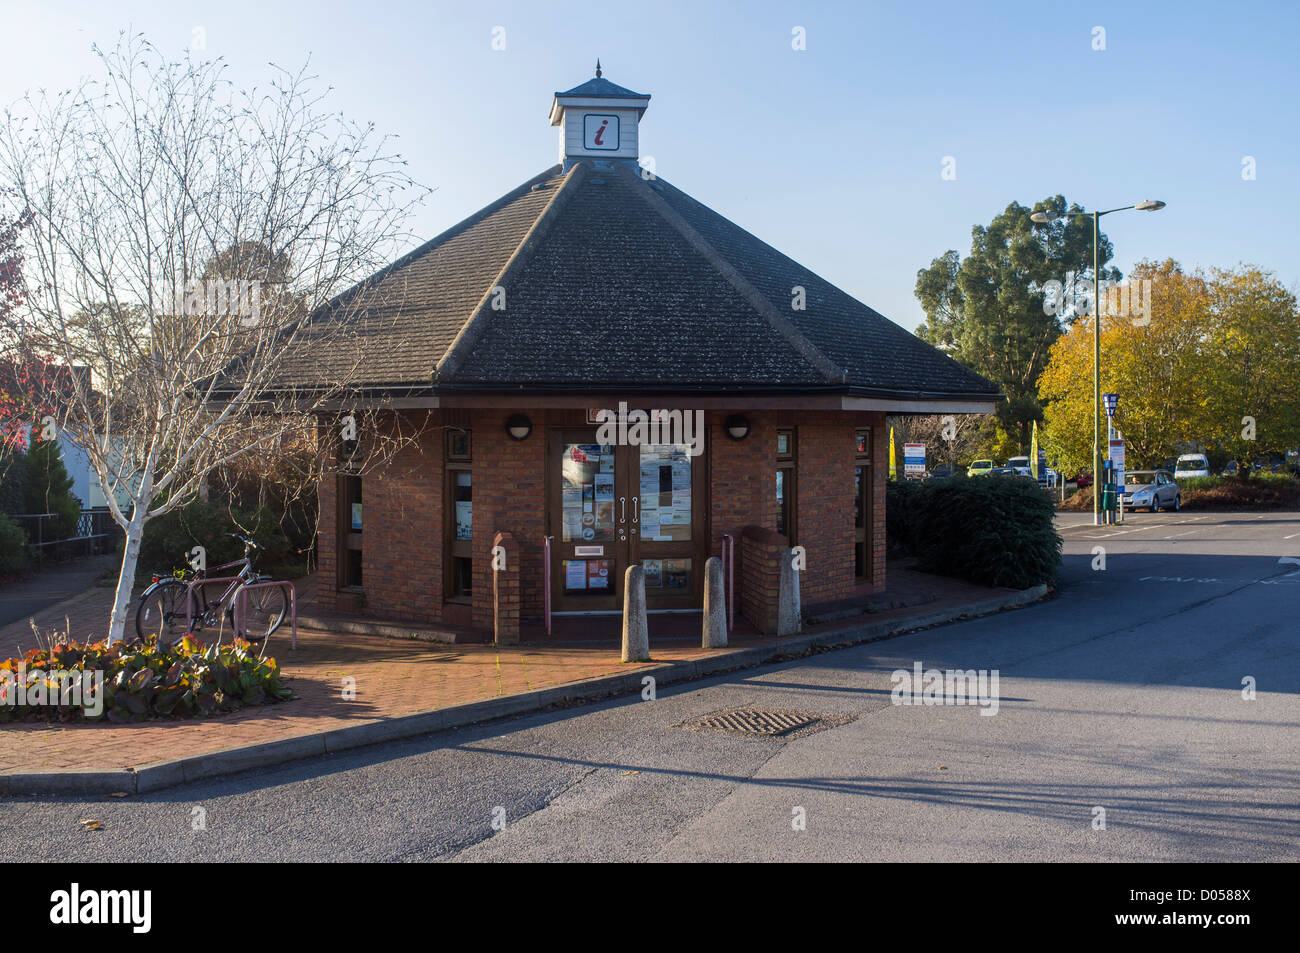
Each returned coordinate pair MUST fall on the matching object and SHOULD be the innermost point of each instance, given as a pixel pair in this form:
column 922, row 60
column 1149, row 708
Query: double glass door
column 611, row 507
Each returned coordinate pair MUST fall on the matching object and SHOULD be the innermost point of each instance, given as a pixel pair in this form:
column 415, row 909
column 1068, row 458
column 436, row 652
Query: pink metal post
column 546, row 580
column 273, row 584
column 729, row 557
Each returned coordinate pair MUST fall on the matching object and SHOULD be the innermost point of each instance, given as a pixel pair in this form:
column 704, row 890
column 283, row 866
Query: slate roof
column 600, row 88
column 615, row 283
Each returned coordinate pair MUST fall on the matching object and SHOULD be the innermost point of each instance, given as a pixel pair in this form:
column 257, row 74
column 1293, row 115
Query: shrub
column 49, row 489
column 170, row 537
column 143, row 681
column 997, row 531
column 13, row 547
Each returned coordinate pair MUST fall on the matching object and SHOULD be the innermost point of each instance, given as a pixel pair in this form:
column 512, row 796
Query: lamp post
column 1043, row 218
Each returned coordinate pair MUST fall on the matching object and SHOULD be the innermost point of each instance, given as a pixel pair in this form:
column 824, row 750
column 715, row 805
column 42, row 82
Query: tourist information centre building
column 598, row 286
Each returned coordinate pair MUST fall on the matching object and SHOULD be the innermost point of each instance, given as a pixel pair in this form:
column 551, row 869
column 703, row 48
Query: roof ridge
column 444, row 236
column 472, row 330
column 768, row 311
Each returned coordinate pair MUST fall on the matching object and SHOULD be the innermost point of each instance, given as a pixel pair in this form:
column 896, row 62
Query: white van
column 1192, row 465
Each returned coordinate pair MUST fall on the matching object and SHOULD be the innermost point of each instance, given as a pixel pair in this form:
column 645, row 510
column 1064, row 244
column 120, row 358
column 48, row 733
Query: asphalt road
column 1124, row 694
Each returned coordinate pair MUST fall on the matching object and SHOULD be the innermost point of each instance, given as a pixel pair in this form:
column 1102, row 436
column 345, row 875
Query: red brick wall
column 404, row 515
column 509, row 496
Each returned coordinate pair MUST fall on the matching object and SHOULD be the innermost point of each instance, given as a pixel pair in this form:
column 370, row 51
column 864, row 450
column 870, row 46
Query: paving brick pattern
column 393, row 677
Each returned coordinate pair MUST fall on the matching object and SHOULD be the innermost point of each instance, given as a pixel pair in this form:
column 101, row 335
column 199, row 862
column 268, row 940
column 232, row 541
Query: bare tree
column 949, row 438
column 187, row 238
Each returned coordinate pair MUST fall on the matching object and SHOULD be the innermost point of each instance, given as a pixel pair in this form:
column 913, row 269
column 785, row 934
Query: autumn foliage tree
column 1218, row 354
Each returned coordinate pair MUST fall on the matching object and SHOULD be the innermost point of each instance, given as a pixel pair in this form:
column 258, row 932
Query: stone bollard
column 636, row 630
column 788, row 611
column 715, row 606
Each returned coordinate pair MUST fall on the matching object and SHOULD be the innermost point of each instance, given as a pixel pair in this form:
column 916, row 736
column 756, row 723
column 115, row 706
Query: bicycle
column 163, row 611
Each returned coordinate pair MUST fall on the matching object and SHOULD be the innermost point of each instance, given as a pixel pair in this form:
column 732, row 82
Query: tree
column 1251, row 348
column 162, row 201
column 987, row 310
column 1219, row 347
column 48, row 487
column 955, row 439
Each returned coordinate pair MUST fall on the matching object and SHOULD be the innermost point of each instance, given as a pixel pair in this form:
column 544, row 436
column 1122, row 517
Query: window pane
column 464, row 498
column 863, row 443
column 587, row 492
column 782, row 444
column 665, row 492
column 780, row 502
column 594, row 576
column 857, row 496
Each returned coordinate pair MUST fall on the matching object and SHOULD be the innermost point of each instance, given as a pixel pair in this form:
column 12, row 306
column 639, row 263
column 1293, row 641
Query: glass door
column 590, row 521
column 667, row 533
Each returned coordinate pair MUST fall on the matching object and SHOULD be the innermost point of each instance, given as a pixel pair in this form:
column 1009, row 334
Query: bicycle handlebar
column 248, row 543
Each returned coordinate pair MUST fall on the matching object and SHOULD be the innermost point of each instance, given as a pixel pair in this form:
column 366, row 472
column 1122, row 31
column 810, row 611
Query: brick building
column 592, row 286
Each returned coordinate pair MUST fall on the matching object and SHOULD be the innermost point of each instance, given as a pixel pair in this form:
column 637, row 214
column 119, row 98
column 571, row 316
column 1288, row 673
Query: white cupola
column 598, row 119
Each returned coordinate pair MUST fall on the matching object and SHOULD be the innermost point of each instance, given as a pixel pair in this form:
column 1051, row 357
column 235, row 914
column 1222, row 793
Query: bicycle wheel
column 162, row 611
column 264, row 611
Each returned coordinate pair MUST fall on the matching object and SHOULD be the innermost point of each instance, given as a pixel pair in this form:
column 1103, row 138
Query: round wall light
column 519, row 426
column 737, row 427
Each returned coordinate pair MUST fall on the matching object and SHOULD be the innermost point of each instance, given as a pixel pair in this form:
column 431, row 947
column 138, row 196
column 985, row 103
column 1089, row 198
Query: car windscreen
column 1139, row 479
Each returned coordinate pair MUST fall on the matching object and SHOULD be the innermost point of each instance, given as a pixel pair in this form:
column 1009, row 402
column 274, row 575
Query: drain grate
column 766, row 722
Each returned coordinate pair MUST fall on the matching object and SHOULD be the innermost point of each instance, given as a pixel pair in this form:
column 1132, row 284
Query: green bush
column 996, row 531
column 13, row 547
column 168, row 539
column 141, row 682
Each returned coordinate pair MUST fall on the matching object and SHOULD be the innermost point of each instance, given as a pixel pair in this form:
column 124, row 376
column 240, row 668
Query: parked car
column 943, row 471
column 1083, row 479
column 979, row 468
column 1003, row 472
column 1192, row 465
column 1231, row 468
column 1151, row 489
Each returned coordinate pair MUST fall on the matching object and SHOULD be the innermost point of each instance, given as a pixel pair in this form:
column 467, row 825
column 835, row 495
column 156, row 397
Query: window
column 786, row 485
column 350, row 520
column 862, row 516
column 458, row 542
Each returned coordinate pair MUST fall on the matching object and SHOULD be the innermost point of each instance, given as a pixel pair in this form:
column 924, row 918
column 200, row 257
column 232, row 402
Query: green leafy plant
column 147, row 681
column 13, row 547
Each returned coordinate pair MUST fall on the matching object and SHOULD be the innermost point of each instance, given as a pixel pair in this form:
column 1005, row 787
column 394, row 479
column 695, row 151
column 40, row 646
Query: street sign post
column 914, row 459
column 1117, row 473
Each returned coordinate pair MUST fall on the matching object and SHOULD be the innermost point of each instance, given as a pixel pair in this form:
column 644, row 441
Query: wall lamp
column 519, row 426
column 737, row 427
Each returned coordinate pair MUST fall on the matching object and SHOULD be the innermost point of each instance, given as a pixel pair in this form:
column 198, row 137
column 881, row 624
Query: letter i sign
column 600, row 132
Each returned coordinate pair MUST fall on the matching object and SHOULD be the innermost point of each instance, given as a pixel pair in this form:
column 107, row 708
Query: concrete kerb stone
column 153, row 777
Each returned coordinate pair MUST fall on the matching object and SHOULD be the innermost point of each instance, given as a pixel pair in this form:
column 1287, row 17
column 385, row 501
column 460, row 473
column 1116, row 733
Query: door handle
column 636, row 508
column 623, row 501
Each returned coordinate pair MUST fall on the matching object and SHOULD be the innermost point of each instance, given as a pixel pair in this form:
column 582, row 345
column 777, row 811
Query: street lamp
column 1043, row 218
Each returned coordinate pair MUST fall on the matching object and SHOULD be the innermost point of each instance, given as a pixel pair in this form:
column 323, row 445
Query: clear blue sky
column 832, row 154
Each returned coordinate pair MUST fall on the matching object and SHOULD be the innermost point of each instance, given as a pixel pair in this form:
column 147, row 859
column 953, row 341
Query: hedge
column 169, row 538
column 996, row 531
column 13, row 547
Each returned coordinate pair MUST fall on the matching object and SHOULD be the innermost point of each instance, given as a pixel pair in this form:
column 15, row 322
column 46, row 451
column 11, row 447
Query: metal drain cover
column 766, row 722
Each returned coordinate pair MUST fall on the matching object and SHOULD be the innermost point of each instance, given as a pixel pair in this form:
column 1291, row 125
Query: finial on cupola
column 598, row 69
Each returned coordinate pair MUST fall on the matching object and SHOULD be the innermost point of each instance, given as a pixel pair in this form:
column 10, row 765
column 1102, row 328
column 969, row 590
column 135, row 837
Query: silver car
column 1151, row 489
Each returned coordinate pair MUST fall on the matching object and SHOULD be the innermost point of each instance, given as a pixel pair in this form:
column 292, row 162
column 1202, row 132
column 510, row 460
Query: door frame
column 627, row 548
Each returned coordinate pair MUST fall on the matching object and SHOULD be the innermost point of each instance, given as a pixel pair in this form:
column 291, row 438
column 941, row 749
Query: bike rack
column 189, row 597
column 275, row 583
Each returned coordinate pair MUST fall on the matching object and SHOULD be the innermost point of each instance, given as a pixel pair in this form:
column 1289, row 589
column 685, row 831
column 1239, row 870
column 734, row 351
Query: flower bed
column 137, row 682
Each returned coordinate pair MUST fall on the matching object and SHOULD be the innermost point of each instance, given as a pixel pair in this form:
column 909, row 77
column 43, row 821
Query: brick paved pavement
column 393, row 677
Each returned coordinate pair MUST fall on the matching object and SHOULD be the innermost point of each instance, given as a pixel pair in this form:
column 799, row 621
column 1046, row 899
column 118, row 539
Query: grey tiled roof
column 612, row 282
column 600, row 88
